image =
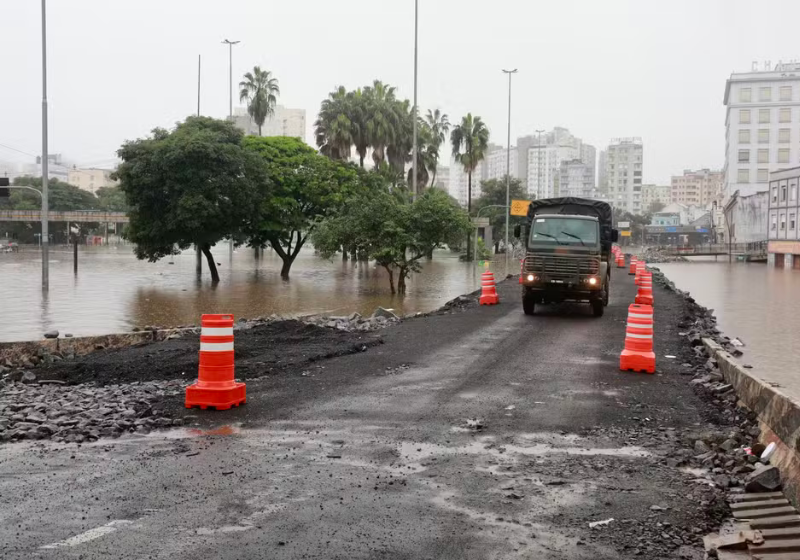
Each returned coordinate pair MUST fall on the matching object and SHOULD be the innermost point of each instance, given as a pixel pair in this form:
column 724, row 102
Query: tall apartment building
column 539, row 159
column 762, row 126
column 576, row 179
column 602, row 176
column 284, row 122
column 655, row 193
column 442, row 178
column 459, row 182
column 698, row 188
column 90, row 179
column 494, row 163
column 589, row 157
column 624, row 173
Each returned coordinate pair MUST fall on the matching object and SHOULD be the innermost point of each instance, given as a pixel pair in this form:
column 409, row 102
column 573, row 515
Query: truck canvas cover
column 577, row 207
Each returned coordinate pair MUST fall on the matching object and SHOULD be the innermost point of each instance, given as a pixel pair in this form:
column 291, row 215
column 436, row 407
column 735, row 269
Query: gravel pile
column 655, row 255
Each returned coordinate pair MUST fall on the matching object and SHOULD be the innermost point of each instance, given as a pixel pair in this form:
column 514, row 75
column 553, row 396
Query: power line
column 16, row 150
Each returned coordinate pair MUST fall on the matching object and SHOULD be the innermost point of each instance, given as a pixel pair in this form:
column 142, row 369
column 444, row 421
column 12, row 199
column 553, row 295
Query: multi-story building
column 442, row 180
column 762, row 126
column 589, row 157
column 494, row 163
column 783, row 215
column 91, row 179
column 624, row 160
column 655, row 193
column 602, row 177
column 284, row 122
column 699, row 188
column 459, row 182
column 539, row 159
column 576, row 179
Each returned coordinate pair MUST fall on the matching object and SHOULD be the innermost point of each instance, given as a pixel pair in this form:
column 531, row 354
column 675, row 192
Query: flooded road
column 755, row 302
column 114, row 292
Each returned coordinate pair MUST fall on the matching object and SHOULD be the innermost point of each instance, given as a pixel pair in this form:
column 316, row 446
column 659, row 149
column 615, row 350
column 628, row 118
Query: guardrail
column 71, row 216
column 754, row 248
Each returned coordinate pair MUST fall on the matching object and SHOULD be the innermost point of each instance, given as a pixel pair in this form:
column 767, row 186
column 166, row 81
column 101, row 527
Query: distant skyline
column 616, row 68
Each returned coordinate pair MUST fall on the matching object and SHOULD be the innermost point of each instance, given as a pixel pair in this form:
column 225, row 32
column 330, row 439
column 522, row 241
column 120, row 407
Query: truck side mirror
column 517, row 231
column 614, row 235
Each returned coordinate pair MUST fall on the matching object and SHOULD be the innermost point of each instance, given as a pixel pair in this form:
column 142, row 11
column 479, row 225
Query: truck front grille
column 557, row 267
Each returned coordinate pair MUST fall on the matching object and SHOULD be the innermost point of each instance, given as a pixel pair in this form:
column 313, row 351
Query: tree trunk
column 433, row 179
column 361, row 160
column 344, row 254
column 469, row 213
column 401, row 280
column 212, row 266
column 287, row 266
column 391, row 279
column 259, row 130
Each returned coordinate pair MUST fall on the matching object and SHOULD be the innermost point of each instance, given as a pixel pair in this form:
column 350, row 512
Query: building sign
column 623, row 225
column 625, row 234
column 520, row 207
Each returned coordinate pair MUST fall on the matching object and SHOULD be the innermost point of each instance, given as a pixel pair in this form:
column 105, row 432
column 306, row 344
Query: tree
column 471, row 136
column 260, row 90
column 493, row 193
column 334, row 127
column 195, row 184
column 393, row 230
column 111, row 199
column 302, row 188
column 382, row 118
column 61, row 196
column 656, row 206
column 438, row 126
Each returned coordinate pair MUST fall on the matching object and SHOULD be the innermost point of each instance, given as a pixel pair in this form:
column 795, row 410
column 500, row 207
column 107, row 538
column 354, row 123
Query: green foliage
column 302, row 188
column 60, row 196
column 493, row 192
column 111, row 199
column 195, row 184
column 260, row 90
column 394, row 231
column 437, row 126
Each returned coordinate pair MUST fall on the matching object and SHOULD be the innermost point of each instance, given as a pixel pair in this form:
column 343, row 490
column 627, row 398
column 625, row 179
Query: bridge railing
column 716, row 248
column 71, row 216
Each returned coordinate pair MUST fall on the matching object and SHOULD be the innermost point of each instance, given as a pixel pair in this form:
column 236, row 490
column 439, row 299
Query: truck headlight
column 531, row 277
column 592, row 281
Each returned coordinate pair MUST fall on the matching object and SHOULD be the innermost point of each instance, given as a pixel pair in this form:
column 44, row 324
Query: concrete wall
column 748, row 218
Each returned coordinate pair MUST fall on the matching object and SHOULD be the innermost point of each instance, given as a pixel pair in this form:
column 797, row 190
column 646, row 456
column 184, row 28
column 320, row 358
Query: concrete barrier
column 778, row 413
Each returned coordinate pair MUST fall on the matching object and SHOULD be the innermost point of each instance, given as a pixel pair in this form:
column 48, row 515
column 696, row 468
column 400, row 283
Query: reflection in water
column 114, row 292
column 758, row 303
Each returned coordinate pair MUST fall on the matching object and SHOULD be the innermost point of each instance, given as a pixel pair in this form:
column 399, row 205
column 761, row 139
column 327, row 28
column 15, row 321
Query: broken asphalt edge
column 778, row 413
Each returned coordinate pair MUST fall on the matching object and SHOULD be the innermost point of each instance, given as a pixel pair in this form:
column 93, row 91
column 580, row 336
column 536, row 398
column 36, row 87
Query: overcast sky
column 602, row 68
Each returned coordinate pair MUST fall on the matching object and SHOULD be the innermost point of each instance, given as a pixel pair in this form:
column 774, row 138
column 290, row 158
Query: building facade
column 589, row 157
column 284, row 122
column 624, row 169
column 762, row 126
column 494, row 164
column 442, row 180
column 782, row 218
column 539, row 159
column 655, row 193
column 602, row 177
column 700, row 188
column 91, row 179
column 459, row 182
column 577, row 179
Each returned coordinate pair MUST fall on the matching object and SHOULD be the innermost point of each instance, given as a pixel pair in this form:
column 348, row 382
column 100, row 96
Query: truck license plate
column 556, row 281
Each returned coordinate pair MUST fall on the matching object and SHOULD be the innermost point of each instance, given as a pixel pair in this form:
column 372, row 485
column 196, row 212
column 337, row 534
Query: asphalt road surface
column 377, row 455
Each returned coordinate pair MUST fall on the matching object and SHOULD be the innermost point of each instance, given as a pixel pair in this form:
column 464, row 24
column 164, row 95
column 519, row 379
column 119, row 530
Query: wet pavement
column 479, row 434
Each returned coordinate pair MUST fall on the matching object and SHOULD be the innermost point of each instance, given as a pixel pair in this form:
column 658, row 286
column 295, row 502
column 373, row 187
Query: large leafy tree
column 382, row 117
column 470, row 140
column 302, row 188
column 493, row 193
column 393, row 230
column 334, row 126
column 61, row 196
column 438, row 126
column 195, row 184
column 111, row 199
column 260, row 90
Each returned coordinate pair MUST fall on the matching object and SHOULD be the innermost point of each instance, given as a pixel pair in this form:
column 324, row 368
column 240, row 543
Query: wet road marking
column 90, row 535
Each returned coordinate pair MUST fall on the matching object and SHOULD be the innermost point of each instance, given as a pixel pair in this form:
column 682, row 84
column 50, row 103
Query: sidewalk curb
column 778, row 413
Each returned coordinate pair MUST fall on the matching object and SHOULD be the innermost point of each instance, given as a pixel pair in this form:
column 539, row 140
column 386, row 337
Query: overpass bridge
column 71, row 216
column 748, row 251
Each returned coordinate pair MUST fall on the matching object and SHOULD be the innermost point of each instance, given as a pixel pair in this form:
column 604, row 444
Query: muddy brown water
column 114, row 292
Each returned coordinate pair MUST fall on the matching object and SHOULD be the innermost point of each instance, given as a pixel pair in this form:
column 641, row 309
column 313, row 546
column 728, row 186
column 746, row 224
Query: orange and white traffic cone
column 215, row 386
column 632, row 269
column 638, row 354
column 488, row 290
column 645, row 295
column 641, row 268
column 620, row 260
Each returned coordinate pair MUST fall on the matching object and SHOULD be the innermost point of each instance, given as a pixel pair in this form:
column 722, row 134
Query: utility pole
column 230, row 73
column 198, row 85
column 508, row 163
column 414, row 113
column 539, row 149
column 45, row 237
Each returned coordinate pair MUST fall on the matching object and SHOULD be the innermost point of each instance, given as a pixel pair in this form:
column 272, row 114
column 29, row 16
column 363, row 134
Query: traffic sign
column 4, row 193
column 625, row 233
column 520, row 207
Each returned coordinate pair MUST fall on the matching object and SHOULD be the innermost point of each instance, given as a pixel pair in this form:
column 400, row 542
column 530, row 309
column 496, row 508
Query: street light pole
column 414, row 113
column 508, row 162
column 539, row 172
column 45, row 233
column 230, row 74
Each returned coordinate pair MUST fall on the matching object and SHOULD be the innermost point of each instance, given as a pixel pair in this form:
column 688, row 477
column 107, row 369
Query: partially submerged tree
column 195, row 184
column 493, row 193
column 394, row 231
column 302, row 187
column 470, row 140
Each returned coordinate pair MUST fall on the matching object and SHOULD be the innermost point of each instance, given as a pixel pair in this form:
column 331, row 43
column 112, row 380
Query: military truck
column 567, row 253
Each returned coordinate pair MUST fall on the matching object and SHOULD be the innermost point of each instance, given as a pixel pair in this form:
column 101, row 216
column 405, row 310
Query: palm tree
column 438, row 126
column 473, row 136
column 382, row 119
column 398, row 151
column 260, row 90
column 333, row 128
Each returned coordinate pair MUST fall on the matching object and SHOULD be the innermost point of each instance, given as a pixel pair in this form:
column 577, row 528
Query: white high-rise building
column 284, row 122
column 494, row 164
column 624, row 174
column 762, row 126
column 589, row 157
column 602, row 178
column 542, row 173
column 459, row 182
column 577, row 179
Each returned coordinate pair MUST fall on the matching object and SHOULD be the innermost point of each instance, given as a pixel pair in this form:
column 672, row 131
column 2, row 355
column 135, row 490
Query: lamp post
column 45, row 234
column 230, row 73
column 539, row 171
column 508, row 162
column 414, row 112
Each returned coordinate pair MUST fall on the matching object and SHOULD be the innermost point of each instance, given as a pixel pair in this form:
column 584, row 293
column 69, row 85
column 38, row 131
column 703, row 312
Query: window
column 744, row 95
column 791, row 221
column 785, row 135
column 763, row 136
column 774, row 225
column 763, row 115
column 786, row 93
column 765, row 94
column 774, row 194
column 783, row 156
column 763, row 176
column 743, row 176
column 785, row 115
column 783, row 193
column 783, row 222
column 763, row 156
column 744, row 136
column 744, row 116
column 793, row 192
column 744, row 156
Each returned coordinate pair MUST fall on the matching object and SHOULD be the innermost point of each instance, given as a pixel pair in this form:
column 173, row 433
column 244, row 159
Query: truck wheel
column 528, row 304
column 598, row 308
column 607, row 291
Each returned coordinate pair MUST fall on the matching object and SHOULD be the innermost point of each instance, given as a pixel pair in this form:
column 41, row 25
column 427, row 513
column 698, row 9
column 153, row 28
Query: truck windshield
column 564, row 231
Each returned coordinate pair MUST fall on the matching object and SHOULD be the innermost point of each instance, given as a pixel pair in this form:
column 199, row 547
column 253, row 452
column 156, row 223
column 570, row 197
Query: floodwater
column 756, row 302
column 114, row 292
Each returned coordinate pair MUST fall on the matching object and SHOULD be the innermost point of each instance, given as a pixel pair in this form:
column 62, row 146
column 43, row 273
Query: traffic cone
column 488, row 289
column 632, row 269
column 641, row 268
column 620, row 260
column 645, row 295
column 638, row 354
column 215, row 386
